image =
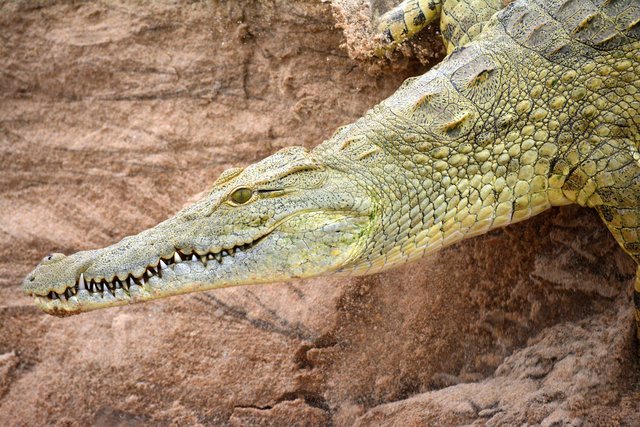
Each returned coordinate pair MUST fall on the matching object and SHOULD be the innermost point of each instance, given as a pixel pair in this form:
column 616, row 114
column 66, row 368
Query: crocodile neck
column 500, row 131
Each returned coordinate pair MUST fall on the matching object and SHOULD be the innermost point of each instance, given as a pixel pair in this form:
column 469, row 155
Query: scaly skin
column 540, row 108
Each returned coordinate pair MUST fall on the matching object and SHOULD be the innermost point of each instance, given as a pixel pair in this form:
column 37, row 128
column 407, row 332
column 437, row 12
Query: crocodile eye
column 241, row 195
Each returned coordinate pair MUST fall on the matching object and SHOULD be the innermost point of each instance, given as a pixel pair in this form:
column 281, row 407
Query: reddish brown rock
column 114, row 116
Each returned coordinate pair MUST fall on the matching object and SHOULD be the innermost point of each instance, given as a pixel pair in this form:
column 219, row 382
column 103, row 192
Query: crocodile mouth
column 86, row 282
column 123, row 288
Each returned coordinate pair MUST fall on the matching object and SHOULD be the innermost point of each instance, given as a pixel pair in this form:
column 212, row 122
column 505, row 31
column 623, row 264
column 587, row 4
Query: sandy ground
column 114, row 114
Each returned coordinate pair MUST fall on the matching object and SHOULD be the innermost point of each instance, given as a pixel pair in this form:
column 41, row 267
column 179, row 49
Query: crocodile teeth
column 131, row 283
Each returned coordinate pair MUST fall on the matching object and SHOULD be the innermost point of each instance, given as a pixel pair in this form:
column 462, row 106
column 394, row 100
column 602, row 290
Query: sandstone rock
column 114, row 115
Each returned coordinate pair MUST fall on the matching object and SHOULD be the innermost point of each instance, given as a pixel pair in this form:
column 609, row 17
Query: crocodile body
column 537, row 105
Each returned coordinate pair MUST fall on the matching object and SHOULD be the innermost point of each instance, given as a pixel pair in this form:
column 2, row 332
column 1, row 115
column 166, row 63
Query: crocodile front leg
column 624, row 224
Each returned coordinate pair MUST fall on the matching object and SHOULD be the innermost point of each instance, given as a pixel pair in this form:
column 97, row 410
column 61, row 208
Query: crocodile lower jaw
column 88, row 291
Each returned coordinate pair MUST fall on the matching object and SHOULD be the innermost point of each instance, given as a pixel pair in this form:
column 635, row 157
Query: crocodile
column 537, row 104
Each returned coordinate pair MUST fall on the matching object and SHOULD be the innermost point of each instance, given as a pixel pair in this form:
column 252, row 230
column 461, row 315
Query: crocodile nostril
column 32, row 278
column 53, row 257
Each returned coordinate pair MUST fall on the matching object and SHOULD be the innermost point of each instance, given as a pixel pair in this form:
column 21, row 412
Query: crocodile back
column 563, row 28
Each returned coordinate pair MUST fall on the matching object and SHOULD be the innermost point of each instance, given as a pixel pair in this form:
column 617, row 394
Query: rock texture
column 114, row 114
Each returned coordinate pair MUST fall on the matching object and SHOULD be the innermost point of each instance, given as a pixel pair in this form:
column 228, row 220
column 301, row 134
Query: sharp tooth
column 53, row 295
column 62, row 297
column 203, row 259
column 224, row 253
column 210, row 256
column 162, row 265
column 117, row 284
column 231, row 251
column 141, row 281
column 176, row 257
column 218, row 257
column 194, row 258
column 81, row 284
column 131, row 282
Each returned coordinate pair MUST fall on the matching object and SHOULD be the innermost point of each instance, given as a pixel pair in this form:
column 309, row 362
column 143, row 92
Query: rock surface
column 113, row 115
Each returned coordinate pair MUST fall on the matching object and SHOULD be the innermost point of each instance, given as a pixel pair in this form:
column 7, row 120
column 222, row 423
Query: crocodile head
column 287, row 216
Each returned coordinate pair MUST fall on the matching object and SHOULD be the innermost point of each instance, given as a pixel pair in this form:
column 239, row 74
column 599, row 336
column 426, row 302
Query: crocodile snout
column 48, row 260
column 54, row 272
